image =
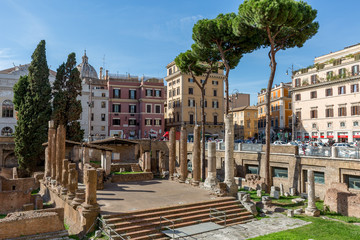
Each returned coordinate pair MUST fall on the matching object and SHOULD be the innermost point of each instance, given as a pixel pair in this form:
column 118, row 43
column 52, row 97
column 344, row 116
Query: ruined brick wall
column 20, row 184
column 132, row 177
column 11, row 201
column 17, row 224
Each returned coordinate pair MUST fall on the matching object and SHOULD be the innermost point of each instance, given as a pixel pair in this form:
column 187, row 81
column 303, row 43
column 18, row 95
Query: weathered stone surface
column 229, row 155
column 250, row 206
column 172, row 152
column 298, row 211
column 162, row 166
column 65, row 176
column 211, row 180
column 196, row 156
column 53, row 159
column 60, row 152
column 72, row 180
column 275, row 194
column 246, row 198
column 258, row 193
column 281, row 189
column 28, row 207
column 183, row 155
column 292, row 191
column 147, row 162
column 90, row 187
column 290, row 213
column 311, row 209
column 298, row 200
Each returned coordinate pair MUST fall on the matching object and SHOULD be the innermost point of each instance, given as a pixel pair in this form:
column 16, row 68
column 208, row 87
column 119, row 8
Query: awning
column 356, row 136
column 314, row 136
column 306, row 136
column 342, row 136
column 330, row 136
column 321, row 136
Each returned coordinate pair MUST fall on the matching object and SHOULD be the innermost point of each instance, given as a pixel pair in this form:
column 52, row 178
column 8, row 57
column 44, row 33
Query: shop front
column 343, row 137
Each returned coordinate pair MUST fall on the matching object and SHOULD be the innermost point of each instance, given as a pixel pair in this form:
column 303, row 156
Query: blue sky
column 142, row 36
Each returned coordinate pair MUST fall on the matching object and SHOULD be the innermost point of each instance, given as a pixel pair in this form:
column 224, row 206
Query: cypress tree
column 32, row 96
column 67, row 109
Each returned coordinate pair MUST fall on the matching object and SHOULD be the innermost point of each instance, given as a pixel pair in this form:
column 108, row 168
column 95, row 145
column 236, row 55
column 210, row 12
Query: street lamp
column 292, row 104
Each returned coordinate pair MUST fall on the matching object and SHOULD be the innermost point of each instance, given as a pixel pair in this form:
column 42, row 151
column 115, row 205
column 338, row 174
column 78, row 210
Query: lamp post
column 292, row 104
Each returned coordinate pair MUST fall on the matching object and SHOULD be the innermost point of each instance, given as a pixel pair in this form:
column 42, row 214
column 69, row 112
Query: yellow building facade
column 245, row 122
column 183, row 102
column 280, row 112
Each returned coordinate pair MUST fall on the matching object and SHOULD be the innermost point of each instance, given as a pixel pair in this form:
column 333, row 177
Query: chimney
column 101, row 74
column 107, row 75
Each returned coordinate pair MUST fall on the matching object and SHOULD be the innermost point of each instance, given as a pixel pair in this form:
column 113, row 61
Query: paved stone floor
column 276, row 223
column 125, row 197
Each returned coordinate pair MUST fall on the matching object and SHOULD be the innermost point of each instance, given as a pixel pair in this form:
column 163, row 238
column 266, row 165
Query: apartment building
column 136, row 107
column 94, row 101
column 183, row 102
column 280, row 112
column 237, row 100
column 8, row 78
column 326, row 97
column 245, row 122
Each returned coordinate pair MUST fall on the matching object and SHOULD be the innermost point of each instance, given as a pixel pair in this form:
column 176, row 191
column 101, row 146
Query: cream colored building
column 327, row 99
column 183, row 101
column 245, row 122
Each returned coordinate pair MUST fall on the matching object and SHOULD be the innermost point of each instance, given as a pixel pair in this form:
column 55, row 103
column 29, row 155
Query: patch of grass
column 35, row 191
column 96, row 162
column 319, row 229
column 2, row 216
column 120, row 173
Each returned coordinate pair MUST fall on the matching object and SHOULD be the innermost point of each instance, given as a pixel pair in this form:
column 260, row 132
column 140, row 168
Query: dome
column 85, row 69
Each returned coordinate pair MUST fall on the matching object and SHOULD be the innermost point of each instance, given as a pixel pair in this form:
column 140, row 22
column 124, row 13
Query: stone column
column 162, row 166
column 172, row 152
column 211, row 180
column 53, row 153
column 147, row 162
column 65, row 176
column 106, row 161
column 72, row 181
column 229, row 153
column 311, row 209
column 196, row 156
column 90, row 188
column 47, row 172
column 86, row 155
column 183, row 155
column 60, row 152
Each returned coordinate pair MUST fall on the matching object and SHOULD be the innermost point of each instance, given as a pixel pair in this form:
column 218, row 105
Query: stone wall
column 11, row 201
column 20, row 184
column 115, row 167
column 133, row 177
column 41, row 221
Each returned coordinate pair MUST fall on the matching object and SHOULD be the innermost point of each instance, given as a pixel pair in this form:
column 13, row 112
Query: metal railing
column 348, row 152
column 172, row 225
column 108, row 231
column 214, row 214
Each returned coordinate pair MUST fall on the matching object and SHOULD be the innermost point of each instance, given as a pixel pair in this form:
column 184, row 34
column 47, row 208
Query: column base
column 232, row 187
column 210, row 182
column 313, row 212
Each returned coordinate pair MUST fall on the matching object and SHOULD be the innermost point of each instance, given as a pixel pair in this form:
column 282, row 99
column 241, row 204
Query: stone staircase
column 135, row 168
column 145, row 224
column 45, row 236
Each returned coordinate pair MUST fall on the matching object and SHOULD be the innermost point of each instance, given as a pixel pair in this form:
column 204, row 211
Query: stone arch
column 7, row 109
column 7, row 131
column 10, row 160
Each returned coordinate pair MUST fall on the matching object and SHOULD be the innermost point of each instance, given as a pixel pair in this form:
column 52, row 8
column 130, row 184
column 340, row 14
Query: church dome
column 86, row 70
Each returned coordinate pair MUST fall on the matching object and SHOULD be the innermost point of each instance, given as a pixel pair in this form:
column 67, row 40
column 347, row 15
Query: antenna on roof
column 104, row 61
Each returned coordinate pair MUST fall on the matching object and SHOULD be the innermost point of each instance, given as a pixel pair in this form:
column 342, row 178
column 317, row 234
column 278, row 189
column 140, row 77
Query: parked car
column 341, row 145
column 293, row 143
column 279, row 143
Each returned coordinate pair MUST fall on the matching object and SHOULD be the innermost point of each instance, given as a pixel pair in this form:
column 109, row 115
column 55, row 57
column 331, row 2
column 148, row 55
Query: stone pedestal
column 292, row 191
column 14, row 173
column 196, row 156
column 211, row 180
column 229, row 152
column 281, row 189
column 147, row 162
column 79, row 198
column 47, row 172
column 311, row 209
column 162, row 167
column 65, row 176
column 172, row 152
column 90, row 190
column 72, row 180
column 183, row 155
column 85, row 155
column 52, row 149
column 106, row 161
column 60, row 152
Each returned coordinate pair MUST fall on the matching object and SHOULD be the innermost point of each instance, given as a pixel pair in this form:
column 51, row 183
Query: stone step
column 146, row 232
column 154, row 210
column 135, row 168
column 45, row 236
column 166, row 211
column 188, row 214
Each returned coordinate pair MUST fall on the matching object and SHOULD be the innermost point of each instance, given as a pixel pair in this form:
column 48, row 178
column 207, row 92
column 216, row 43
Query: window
column 102, row 128
column 132, row 122
column 169, row 93
column 297, row 82
column 353, row 181
column 342, row 90
column 215, row 104
column 132, row 94
column 328, row 92
column 329, row 125
column 103, row 117
column 280, row 172
column 202, row 81
column 298, row 115
column 356, row 124
column 252, row 169
column 329, row 75
column 329, row 112
column 116, row 121
column 191, row 117
column 342, row 73
column 355, row 110
column 289, row 106
column 298, row 97
column 313, row 114
column 149, row 92
column 157, row 109
column 205, row 103
column 248, row 123
column 319, row 177
column 191, row 102
column 174, row 92
column 215, row 82
column 337, row 62
column 313, row 94
column 7, row 109
column 157, row 122
column 215, row 92
column 191, row 91
column 103, row 94
column 170, row 71
column 92, row 117
column 215, row 120
column 116, row 93
column 178, row 91
column 103, row 104
column 116, row 108
column 355, row 70
column 132, row 108
column 148, row 108
column 314, row 125
column 190, row 80
column 157, row 93
column 313, row 79
column 342, row 124
column 342, row 111
column 148, row 122
column 354, row 88
column 6, row 131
